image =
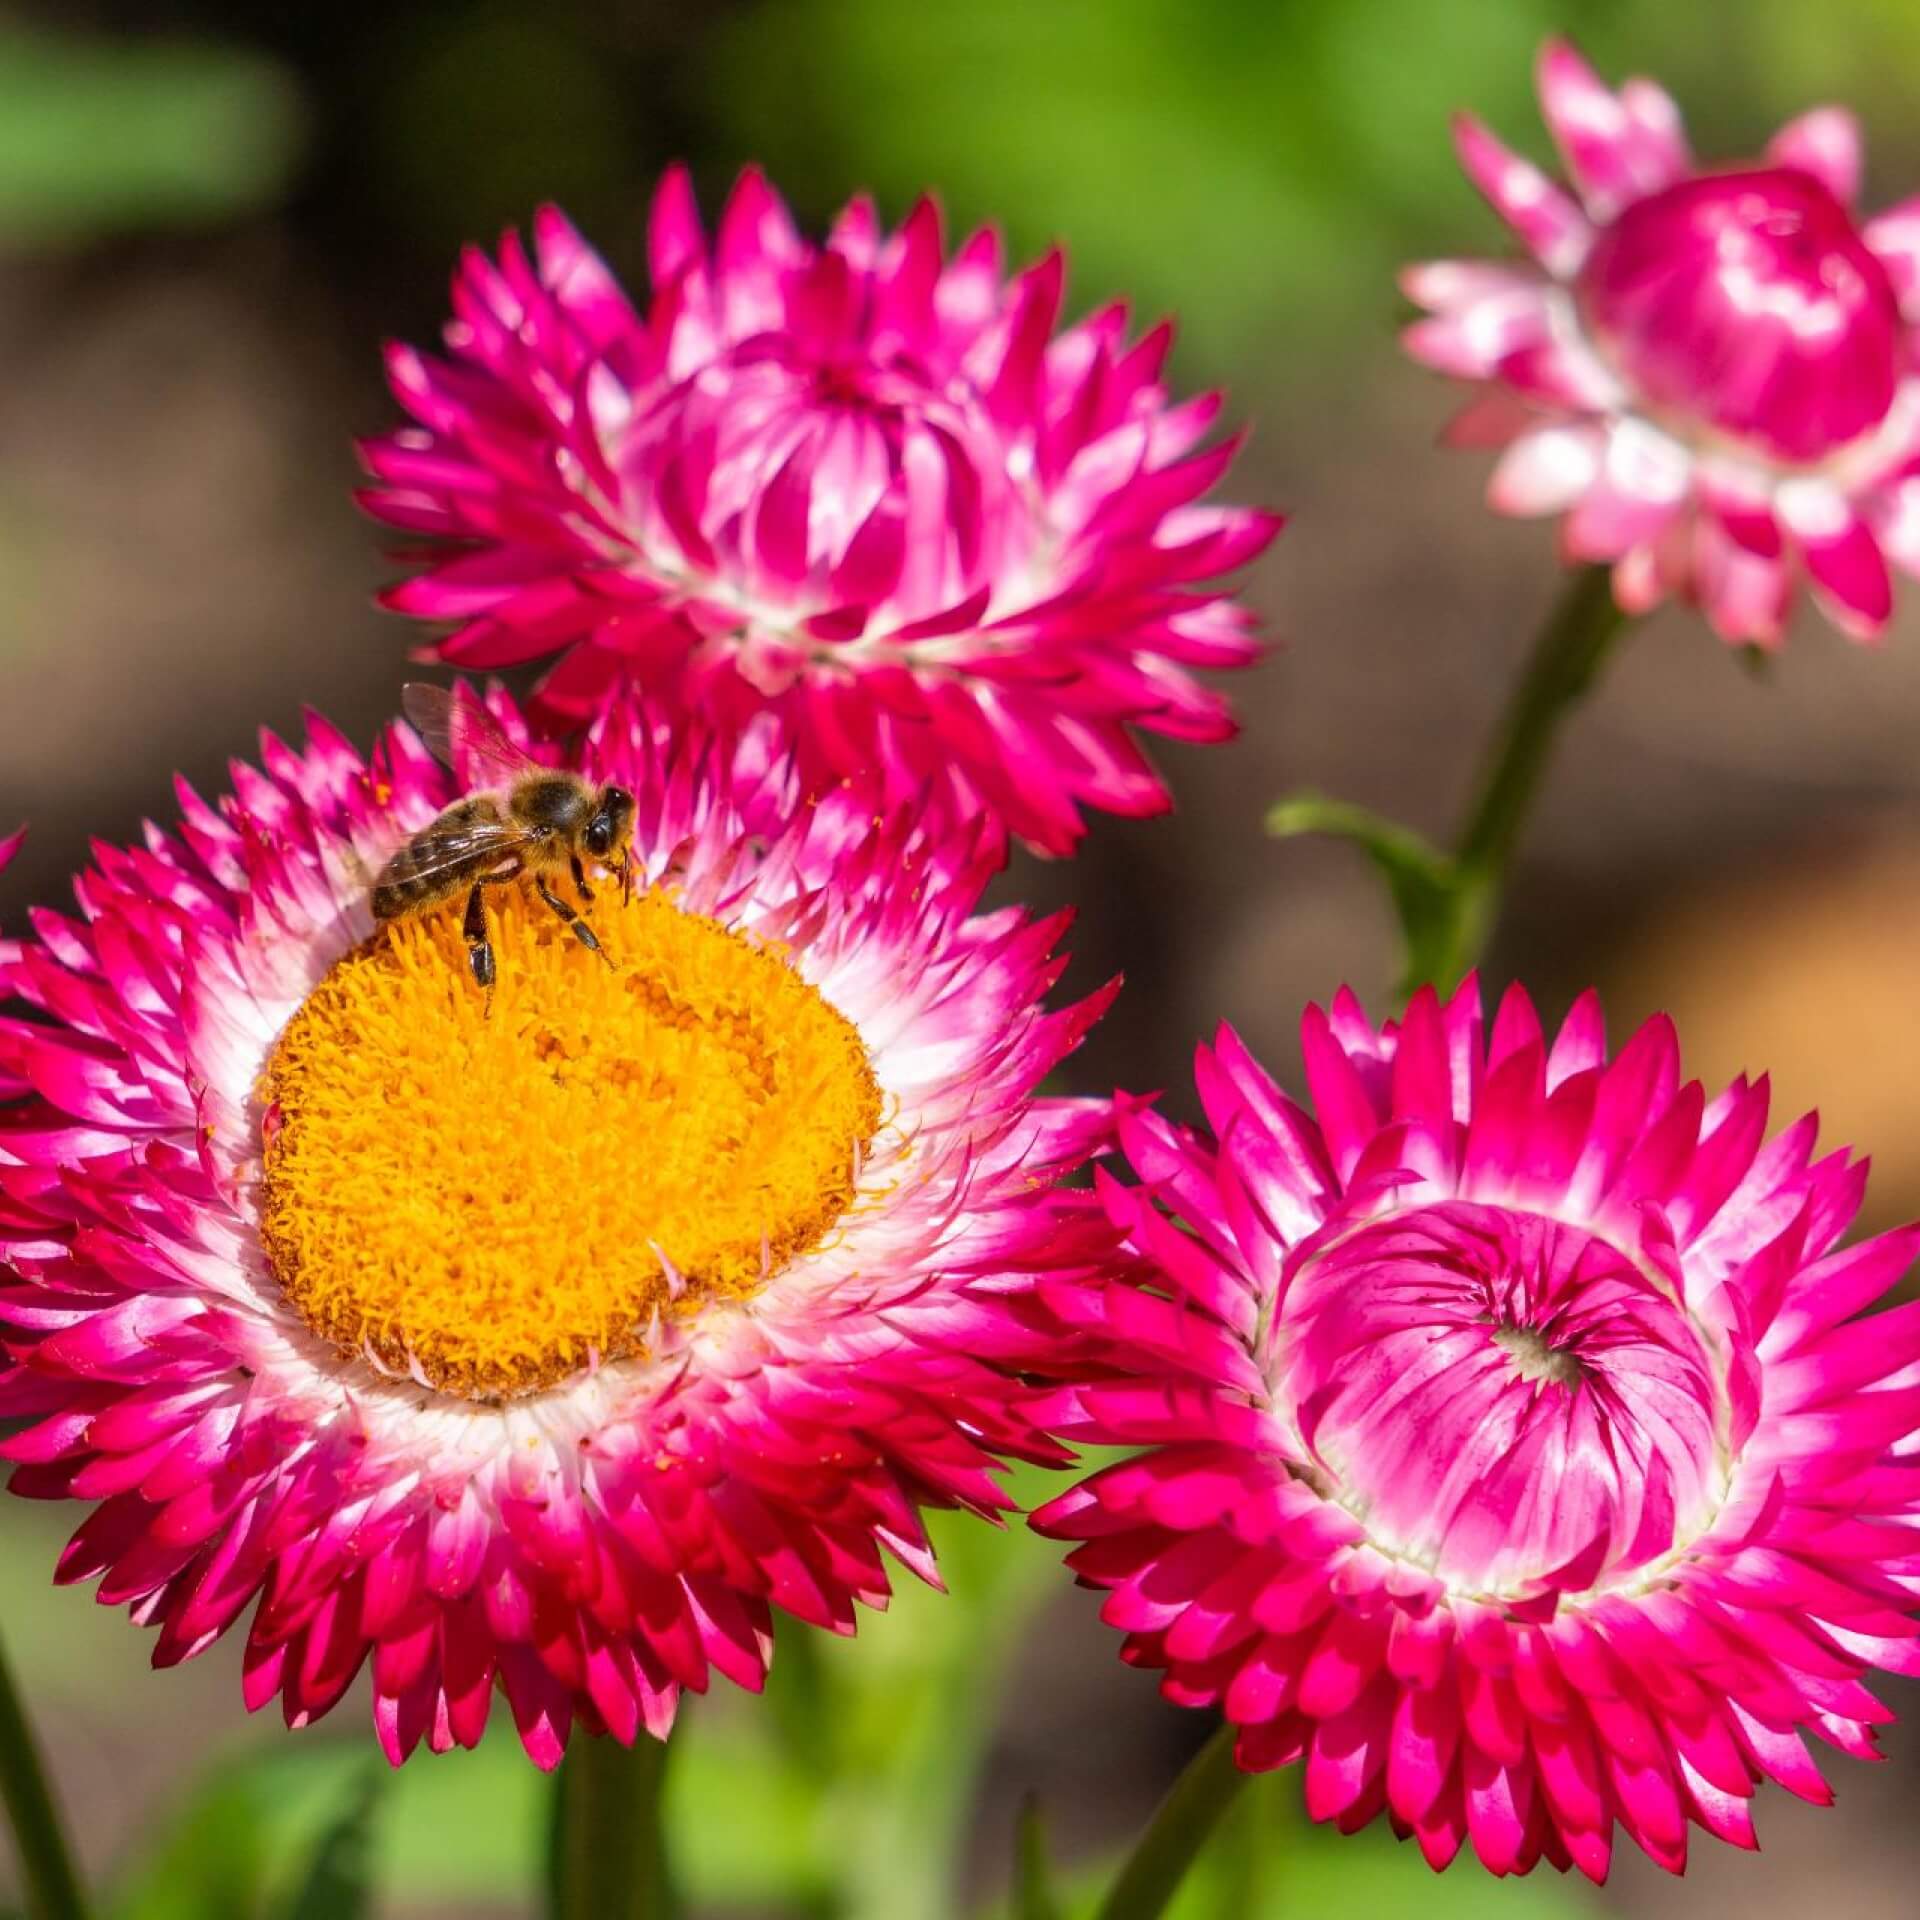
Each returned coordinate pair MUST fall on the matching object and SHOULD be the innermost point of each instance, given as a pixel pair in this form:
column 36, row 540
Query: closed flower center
column 494, row 1198
column 1534, row 1359
column 1747, row 302
column 1507, row 1400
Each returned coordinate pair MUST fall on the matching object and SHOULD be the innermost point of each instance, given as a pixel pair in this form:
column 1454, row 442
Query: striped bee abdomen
column 461, row 844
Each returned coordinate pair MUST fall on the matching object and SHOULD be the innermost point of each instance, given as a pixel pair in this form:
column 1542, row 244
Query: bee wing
column 472, row 846
column 462, row 734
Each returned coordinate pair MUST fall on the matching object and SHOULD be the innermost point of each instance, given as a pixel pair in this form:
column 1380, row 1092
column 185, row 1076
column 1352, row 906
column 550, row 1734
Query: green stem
column 608, row 1858
column 1565, row 664
column 1159, row 1861
column 46, row 1867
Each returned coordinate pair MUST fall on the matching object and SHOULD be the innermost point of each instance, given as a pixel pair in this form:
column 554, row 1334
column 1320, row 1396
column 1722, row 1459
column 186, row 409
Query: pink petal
column 1894, row 237
column 1547, row 470
column 1826, row 144
column 1550, row 225
column 1841, row 554
column 1615, row 151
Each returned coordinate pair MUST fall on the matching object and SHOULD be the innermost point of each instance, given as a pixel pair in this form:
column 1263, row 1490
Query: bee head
column 611, row 826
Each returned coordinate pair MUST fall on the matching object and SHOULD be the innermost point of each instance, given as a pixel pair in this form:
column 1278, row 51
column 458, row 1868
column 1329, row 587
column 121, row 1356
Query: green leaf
column 209, row 1864
column 1269, row 1862
column 1033, row 1895
column 48, row 1876
column 101, row 136
column 1429, row 897
column 338, row 1884
column 245, row 1829
column 1164, row 1852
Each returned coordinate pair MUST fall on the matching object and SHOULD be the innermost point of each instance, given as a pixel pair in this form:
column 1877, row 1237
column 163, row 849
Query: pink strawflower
column 861, row 483
column 326, row 1280
column 1513, row 1455
column 1712, row 374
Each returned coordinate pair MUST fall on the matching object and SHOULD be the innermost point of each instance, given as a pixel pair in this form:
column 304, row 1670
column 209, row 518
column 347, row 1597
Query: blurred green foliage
column 1033, row 1896
column 1259, row 166
column 99, row 137
column 1248, row 164
column 281, row 1833
column 338, row 1882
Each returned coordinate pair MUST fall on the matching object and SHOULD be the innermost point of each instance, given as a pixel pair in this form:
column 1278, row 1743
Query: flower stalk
column 1185, row 1821
column 608, row 1855
column 1563, row 668
column 1448, row 900
column 47, row 1873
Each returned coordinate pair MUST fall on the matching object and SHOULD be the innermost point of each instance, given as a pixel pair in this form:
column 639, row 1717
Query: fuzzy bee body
column 537, row 820
column 432, row 867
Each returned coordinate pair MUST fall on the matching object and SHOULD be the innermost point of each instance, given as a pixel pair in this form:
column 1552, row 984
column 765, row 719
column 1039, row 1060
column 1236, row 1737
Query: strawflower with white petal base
column 540, row 1344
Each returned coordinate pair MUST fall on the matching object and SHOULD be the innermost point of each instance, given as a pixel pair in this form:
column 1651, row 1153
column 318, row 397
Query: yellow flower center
column 494, row 1199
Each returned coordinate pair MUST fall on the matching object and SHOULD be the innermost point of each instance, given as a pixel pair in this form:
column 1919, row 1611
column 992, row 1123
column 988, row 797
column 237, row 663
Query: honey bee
column 520, row 819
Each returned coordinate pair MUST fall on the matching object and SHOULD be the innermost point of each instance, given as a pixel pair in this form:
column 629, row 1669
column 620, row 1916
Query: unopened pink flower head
column 538, row 1342
column 1712, row 374
column 1513, row 1455
column 863, row 483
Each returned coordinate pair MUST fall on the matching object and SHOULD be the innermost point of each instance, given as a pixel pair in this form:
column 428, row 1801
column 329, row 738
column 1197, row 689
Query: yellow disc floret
column 493, row 1198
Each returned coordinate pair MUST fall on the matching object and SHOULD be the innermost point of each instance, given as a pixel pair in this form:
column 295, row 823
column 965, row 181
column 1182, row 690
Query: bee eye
column 599, row 837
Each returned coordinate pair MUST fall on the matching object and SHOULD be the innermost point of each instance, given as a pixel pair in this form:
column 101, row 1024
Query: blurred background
column 210, row 216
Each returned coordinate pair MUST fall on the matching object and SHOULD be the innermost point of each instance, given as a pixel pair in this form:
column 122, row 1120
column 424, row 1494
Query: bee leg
column 571, row 915
column 580, row 879
column 479, row 947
